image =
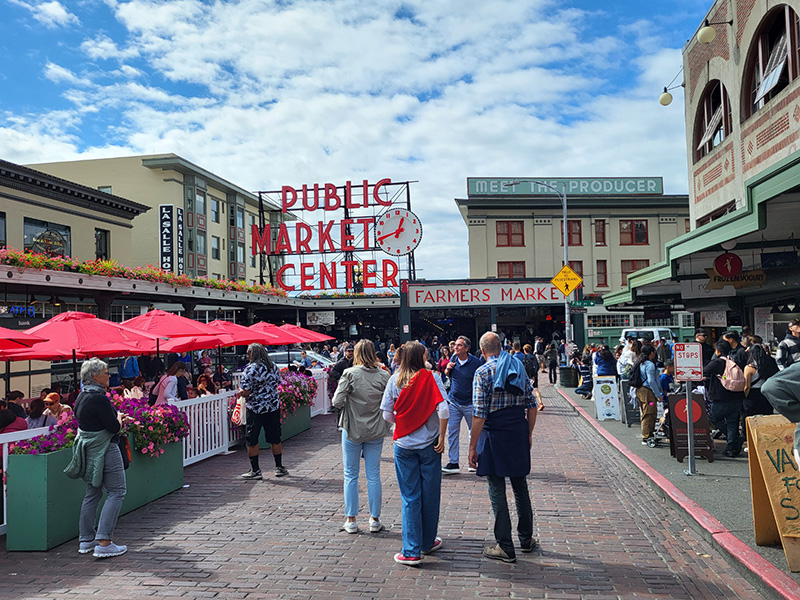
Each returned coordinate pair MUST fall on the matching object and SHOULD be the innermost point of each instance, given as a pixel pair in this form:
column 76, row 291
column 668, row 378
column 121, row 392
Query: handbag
column 239, row 416
column 125, row 450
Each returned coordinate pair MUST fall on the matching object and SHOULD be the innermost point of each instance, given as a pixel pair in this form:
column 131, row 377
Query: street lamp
column 562, row 194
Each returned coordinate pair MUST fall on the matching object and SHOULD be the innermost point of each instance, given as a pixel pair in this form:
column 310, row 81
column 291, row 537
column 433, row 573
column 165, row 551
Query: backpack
column 733, row 377
column 531, row 365
column 635, row 376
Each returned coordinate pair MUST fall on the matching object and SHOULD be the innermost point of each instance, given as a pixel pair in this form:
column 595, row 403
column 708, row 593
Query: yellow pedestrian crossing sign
column 567, row 280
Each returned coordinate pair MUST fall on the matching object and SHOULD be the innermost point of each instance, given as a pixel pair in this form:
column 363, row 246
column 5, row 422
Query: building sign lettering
column 180, row 262
column 165, row 226
column 573, row 186
column 425, row 295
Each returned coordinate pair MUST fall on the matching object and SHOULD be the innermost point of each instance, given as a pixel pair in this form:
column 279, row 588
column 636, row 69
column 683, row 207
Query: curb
column 771, row 576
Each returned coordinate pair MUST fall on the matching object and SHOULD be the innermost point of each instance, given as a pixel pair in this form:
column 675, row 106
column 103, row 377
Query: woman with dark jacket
column 97, row 459
column 606, row 363
column 760, row 367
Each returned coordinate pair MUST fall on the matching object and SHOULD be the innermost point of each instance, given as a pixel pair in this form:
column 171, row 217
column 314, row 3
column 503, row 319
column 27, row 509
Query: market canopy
column 74, row 334
column 12, row 340
column 239, row 335
column 307, row 335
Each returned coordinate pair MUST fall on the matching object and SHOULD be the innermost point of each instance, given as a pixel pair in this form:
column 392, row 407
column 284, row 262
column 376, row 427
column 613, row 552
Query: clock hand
column 388, row 235
column 399, row 229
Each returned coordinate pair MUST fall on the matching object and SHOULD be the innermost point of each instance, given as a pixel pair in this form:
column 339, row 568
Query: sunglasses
column 49, row 403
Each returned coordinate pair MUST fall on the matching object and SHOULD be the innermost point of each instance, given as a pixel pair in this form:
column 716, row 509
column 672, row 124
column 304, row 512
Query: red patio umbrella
column 239, row 335
column 281, row 336
column 12, row 340
column 307, row 335
column 184, row 334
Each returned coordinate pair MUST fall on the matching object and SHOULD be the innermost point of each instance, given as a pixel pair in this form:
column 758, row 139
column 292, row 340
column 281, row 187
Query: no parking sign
column 688, row 361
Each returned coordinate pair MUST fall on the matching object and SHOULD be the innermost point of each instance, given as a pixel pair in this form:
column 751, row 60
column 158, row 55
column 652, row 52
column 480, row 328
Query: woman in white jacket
column 167, row 387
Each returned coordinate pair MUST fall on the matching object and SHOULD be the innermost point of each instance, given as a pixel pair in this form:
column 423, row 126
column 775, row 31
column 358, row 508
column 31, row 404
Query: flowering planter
column 294, row 424
column 44, row 504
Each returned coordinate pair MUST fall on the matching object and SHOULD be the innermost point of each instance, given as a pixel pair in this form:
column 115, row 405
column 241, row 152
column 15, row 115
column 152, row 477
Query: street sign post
column 582, row 303
column 688, row 368
column 566, row 280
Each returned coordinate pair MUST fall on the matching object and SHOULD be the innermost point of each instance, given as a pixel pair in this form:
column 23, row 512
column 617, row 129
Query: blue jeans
column 457, row 412
column 419, row 476
column 114, row 484
column 351, row 457
column 725, row 416
column 502, row 518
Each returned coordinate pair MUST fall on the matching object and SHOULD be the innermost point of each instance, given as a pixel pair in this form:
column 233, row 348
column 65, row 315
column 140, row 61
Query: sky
column 267, row 93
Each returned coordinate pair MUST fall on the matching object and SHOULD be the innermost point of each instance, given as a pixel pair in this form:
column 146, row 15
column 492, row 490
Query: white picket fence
column 210, row 429
column 5, row 440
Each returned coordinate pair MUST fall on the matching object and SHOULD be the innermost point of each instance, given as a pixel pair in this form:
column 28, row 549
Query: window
column 633, row 233
column 240, row 253
column 574, row 231
column 102, row 248
column 511, row 270
column 510, row 233
column 631, row 266
column 201, row 244
column 240, row 218
column 104, row 188
column 713, row 123
column 214, row 209
column 599, row 232
column 773, row 60
column 688, row 225
column 253, row 260
column 216, row 276
column 577, row 266
column 720, row 212
column 601, row 274
column 47, row 238
column 608, row 320
column 3, row 239
column 214, row 247
column 200, row 202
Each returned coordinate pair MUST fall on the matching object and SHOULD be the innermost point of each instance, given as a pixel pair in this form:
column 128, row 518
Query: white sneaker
column 350, row 527
column 108, row 551
column 375, row 525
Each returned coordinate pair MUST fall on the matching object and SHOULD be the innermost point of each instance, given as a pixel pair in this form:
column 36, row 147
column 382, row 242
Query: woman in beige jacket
column 358, row 396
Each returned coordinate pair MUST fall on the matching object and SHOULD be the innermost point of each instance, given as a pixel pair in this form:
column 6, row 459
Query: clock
column 398, row 231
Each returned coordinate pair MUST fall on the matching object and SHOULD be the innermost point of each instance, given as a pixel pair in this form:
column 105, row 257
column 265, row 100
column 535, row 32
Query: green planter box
column 44, row 504
column 297, row 423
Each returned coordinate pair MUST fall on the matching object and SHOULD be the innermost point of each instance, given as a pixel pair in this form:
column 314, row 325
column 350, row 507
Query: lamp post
column 562, row 194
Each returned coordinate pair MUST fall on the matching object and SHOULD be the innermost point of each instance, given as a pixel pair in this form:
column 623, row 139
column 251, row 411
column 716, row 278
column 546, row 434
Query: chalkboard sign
column 775, row 485
column 631, row 410
column 679, row 435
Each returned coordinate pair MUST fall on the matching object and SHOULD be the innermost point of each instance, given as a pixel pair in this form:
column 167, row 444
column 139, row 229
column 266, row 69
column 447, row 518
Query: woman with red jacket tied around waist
column 415, row 400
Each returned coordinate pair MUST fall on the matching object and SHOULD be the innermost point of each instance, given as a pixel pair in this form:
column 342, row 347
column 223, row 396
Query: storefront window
column 609, row 320
column 47, row 238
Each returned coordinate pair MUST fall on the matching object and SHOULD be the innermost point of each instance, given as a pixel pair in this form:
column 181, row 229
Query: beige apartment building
column 199, row 223
column 616, row 226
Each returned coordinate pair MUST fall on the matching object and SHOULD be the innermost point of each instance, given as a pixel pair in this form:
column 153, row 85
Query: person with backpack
column 644, row 377
column 531, row 364
column 760, row 367
column 726, row 385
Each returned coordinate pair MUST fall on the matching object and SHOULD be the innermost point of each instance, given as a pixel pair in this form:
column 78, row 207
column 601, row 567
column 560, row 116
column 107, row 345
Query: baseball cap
column 700, row 332
column 349, row 347
column 794, row 322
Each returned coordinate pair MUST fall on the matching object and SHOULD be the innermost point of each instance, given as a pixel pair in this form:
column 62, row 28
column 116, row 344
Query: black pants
column 552, row 371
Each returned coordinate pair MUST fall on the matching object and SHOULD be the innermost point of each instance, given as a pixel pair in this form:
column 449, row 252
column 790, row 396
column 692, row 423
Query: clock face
column 398, row 231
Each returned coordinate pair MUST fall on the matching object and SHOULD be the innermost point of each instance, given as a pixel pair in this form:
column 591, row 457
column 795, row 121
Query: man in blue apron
column 504, row 415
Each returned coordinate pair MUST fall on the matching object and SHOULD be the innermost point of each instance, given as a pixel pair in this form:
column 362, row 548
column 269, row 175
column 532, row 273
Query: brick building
column 739, row 263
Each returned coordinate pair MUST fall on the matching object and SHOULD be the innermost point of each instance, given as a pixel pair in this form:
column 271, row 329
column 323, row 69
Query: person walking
column 789, row 349
column 726, row 404
column 460, row 369
column 648, row 393
column 416, row 402
column 551, row 358
column 760, row 367
column 97, row 459
column 358, row 397
column 500, row 443
column 259, row 387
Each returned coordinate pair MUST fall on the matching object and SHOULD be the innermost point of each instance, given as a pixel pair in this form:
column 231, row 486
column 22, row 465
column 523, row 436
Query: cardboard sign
column 606, row 398
column 679, row 426
column 688, row 361
column 775, row 485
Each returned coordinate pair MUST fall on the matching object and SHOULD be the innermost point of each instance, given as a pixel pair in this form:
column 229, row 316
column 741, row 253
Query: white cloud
column 58, row 74
column 51, row 14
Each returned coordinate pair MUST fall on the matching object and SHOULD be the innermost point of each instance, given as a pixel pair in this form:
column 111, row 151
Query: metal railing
column 210, row 429
column 5, row 440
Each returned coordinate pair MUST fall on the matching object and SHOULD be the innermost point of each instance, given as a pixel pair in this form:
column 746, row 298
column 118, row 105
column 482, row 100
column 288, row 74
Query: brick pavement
column 604, row 534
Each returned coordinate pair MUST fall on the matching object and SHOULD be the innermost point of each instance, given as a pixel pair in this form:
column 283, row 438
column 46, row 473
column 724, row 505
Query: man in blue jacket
column 648, row 394
column 461, row 370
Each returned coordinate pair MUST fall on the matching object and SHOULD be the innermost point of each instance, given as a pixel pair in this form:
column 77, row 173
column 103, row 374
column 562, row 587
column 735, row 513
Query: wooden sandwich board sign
column 775, row 485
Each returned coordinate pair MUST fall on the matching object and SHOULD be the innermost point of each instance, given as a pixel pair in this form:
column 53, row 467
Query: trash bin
column 567, row 377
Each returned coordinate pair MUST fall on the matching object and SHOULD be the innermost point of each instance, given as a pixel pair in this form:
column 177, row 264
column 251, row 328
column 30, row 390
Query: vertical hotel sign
column 166, row 236
column 180, row 261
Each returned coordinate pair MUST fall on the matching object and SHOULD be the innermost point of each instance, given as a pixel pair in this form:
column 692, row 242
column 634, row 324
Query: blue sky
column 269, row 93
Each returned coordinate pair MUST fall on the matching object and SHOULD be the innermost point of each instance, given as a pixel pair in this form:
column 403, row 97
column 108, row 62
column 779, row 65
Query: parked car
column 279, row 357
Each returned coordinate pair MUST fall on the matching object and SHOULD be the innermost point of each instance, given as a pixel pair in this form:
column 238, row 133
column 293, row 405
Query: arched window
column 713, row 123
column 773, row 60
